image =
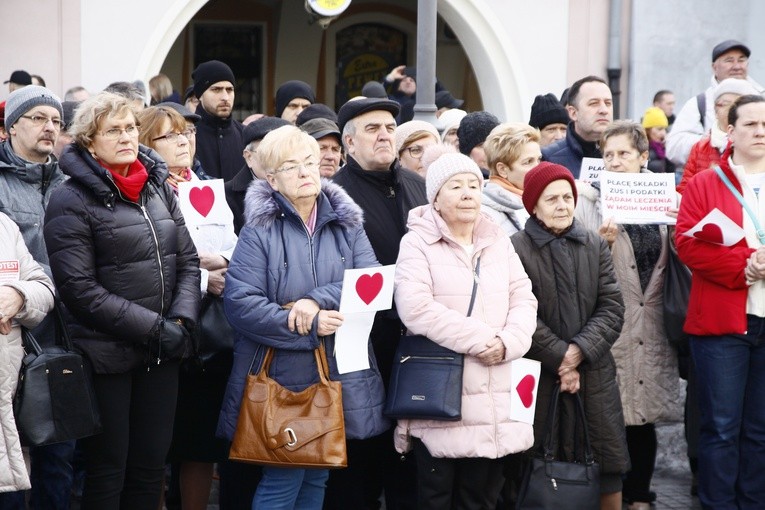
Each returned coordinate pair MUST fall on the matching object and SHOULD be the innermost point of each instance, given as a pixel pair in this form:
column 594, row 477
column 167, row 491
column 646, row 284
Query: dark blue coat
column 276, row 262
column 567, row 152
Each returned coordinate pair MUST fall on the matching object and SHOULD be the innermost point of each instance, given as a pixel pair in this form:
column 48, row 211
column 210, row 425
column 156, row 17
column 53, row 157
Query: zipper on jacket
column 404, row 359
column 159, row 258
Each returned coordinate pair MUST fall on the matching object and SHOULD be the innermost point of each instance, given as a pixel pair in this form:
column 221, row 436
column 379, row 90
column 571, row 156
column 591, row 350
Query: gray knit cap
column 20, row 101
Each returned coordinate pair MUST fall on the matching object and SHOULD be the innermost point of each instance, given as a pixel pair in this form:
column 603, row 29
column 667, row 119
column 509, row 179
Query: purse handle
column 30, row 342
column 320, row 354
column 552, row 414
column 749, row 212
column 476, row 272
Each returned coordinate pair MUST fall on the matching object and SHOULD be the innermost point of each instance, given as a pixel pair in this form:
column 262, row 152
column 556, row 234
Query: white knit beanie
column 446, row 167
column 407, row 129
column 733, row 86
column 20, row 101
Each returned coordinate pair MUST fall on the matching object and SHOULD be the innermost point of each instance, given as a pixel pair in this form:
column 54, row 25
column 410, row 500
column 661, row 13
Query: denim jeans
column 731, row 392
column 290, row 488
column 51, row 479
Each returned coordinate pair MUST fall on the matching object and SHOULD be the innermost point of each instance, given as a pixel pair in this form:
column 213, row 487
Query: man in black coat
column 219, row 136
column 386, row 193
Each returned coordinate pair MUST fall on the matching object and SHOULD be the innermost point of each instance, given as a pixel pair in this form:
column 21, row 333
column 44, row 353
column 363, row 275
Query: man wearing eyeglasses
column 29, row 173
column 730, row 59
column 219, row 136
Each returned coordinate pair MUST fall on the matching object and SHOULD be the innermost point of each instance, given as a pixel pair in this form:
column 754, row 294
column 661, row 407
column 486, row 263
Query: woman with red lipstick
column 127, row 271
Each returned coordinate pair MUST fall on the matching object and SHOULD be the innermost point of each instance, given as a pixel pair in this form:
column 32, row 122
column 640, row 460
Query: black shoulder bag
column 55, row 400
column 426, row 379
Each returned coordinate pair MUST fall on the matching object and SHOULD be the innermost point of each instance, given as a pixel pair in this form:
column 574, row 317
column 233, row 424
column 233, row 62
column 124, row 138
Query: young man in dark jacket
column 219, row 136
column 386, row 193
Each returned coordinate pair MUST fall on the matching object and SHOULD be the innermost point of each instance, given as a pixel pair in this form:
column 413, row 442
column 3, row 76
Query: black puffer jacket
column 573, row 278
column 119, row 266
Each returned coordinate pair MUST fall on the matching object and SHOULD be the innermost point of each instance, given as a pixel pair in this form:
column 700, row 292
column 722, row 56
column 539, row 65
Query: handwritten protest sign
column 590, row 170
column 637, row 198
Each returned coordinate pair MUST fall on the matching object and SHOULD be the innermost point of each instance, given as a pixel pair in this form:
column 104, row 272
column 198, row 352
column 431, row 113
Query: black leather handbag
column 214, row 336
column 676, row 293
column 550, row 484
column 55, row 400
column 426, row 379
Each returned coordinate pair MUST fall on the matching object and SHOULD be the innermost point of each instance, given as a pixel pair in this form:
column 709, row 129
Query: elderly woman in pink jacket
column 459, row 462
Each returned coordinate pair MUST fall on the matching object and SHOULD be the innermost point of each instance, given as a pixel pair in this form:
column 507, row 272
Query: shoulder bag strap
column 752, row 216
column 476, row 272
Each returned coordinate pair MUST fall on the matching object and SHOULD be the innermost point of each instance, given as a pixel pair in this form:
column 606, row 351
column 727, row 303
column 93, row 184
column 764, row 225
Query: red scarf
column 132, row 184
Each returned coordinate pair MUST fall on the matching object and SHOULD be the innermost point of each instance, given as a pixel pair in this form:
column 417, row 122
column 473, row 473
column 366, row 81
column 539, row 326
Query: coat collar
column 428, row 224
column 263, row 206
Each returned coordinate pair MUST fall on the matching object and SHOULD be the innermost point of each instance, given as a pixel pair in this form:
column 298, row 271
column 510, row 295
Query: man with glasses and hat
column 29, row 173
column 730, row 59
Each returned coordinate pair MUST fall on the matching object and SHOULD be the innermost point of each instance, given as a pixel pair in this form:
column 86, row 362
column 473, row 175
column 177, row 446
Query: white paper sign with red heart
column 717, row 228
column 524, row 380
column 365, row 291
column 203, row 202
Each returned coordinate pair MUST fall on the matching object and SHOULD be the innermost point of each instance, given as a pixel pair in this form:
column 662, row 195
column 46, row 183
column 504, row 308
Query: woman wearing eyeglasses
column 127, row 271
column 412, row 138
column 283, row 291
column 194, row 449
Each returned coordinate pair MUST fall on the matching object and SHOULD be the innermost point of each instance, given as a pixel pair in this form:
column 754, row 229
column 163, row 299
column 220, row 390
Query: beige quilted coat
column 36, row 287
column 646, row 364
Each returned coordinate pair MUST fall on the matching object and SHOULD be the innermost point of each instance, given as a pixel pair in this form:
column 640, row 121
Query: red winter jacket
column 717, row 303
column 703, row 155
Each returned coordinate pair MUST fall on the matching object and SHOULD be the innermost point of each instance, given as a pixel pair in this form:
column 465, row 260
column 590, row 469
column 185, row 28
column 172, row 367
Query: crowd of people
column 95, row 208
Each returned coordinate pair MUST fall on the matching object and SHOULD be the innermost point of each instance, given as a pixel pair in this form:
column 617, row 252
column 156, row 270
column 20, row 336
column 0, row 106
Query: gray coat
column 572, row 277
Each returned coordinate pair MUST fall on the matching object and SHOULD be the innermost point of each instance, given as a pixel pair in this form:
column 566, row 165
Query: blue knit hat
column 20, row 101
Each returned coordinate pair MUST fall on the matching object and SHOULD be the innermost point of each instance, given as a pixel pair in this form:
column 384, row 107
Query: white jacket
column 36, row 288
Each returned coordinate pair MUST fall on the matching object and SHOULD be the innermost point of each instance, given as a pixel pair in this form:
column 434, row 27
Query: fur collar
column 262, row 206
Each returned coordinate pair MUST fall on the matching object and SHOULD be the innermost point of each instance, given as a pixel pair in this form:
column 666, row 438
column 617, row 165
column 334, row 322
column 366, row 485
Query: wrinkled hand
column 216, row 281
column 329, row 321
column 494, row 352
column 755, row 266
column 608, row 231
column 672, row 212
column 301, row 316
column 212, row 261
column 396, row 74
column 571, row 359
column 569, row 382
column 11, row 302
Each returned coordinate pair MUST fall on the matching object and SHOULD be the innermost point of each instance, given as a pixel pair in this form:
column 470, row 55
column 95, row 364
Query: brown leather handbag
column 278, row 427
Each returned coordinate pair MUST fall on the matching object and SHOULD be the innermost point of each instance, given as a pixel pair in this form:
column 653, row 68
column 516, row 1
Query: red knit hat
column 539, row 178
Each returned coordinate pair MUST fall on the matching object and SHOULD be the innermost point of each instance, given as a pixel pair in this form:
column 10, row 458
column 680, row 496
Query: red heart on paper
column 711, row 233
column 525, row 390
column 369, row 286
column 202, row 199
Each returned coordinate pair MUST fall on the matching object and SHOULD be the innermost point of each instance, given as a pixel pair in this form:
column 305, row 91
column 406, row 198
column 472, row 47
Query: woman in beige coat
column 26, row 296
column 646, row 364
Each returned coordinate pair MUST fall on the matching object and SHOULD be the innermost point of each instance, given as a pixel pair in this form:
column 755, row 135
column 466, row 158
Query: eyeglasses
column 173, row 137
column 310, row 165
column 40, row 120
column 116, row 133
column 415, row 151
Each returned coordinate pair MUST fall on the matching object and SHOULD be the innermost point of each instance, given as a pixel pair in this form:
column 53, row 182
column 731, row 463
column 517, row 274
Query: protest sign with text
column 637, row 198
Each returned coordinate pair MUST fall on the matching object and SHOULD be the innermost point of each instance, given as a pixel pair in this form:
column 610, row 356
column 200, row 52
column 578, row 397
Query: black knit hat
column 258, row 129
column 316, row 111
column 547, row 110
column 474, row 128
column 356, row 107
column 289, row 90
column 208, row 73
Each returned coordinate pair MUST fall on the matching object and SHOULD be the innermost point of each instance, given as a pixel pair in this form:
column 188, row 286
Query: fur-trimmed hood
column 263, row 205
